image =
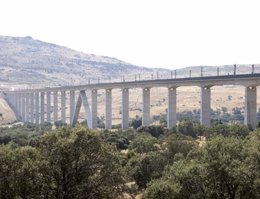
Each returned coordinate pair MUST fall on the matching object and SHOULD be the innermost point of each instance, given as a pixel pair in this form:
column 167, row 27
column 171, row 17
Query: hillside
column 24, row 60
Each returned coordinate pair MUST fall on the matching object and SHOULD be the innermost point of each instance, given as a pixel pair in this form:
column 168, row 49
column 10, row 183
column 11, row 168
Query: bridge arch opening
column 159, row 105
column 228, row 103
column 188, row 103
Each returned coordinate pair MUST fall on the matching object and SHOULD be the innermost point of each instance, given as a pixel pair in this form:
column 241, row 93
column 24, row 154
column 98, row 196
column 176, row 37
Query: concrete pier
column 27, row 107
column 23, row 107
column 250, row 106
column 108, row 111
column 205, row 107
column 37, row 108
column 171, row 113
column 63, row 107
column 19, row 107
column 48, row 106
column 72, row 105
column 55, row 106
column 125, row 108
column 146, row 107
column 32, row 104
column 42, row 107
column 94, row 108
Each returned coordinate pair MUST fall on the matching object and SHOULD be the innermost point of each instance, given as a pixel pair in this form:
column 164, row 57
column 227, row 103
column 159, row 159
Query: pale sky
column 152, row 33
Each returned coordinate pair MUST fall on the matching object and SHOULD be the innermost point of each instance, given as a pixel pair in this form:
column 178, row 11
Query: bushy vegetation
column 220, row 115
column 189, row 161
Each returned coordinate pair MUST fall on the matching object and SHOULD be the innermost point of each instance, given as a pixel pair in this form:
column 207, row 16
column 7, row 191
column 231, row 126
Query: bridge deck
column 241, row 79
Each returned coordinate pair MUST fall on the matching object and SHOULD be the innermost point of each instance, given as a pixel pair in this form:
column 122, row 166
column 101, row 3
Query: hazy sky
column 152, row 33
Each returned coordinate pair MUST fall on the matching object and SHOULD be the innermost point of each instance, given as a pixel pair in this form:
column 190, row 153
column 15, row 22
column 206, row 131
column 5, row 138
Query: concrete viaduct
column 37, row 106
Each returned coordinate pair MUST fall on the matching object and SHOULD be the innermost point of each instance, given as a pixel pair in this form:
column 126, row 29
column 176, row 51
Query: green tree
column 186, row 127
column 226, row 167
column 79, row 165
column 145, row 167
column 161, row 189
column 20, row 172
column 154, row 130
column 136, row 123
column 143, row 143
column 116, row 138
column 174, row 144
column 237, row 130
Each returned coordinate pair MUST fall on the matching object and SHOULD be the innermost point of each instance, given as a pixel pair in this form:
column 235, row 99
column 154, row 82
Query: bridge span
column 41, row 105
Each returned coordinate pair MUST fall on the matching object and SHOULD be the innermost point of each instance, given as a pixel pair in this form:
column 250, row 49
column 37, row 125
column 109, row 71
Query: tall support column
column 17, row 106
column 55, row 106
column 37, row 108
column 63, row 106
column 13, row 100
column 23, row 107
column 171, row 113
column 146, row 107
column 94, row 108
column 72, row 105
column 9, row 99
column 125, row 108
column 48, row 107
column 108, row 122
column 20, row 106
column 205, row 106
column 250, row 106
column 32, row 103
column 42, row 107
column 27, row 107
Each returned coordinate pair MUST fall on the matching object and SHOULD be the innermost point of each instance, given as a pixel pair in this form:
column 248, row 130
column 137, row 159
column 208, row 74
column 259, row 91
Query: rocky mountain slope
column 25, row 61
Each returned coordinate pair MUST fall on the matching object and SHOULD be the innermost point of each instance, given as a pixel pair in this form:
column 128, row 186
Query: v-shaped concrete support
column 88, row 114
